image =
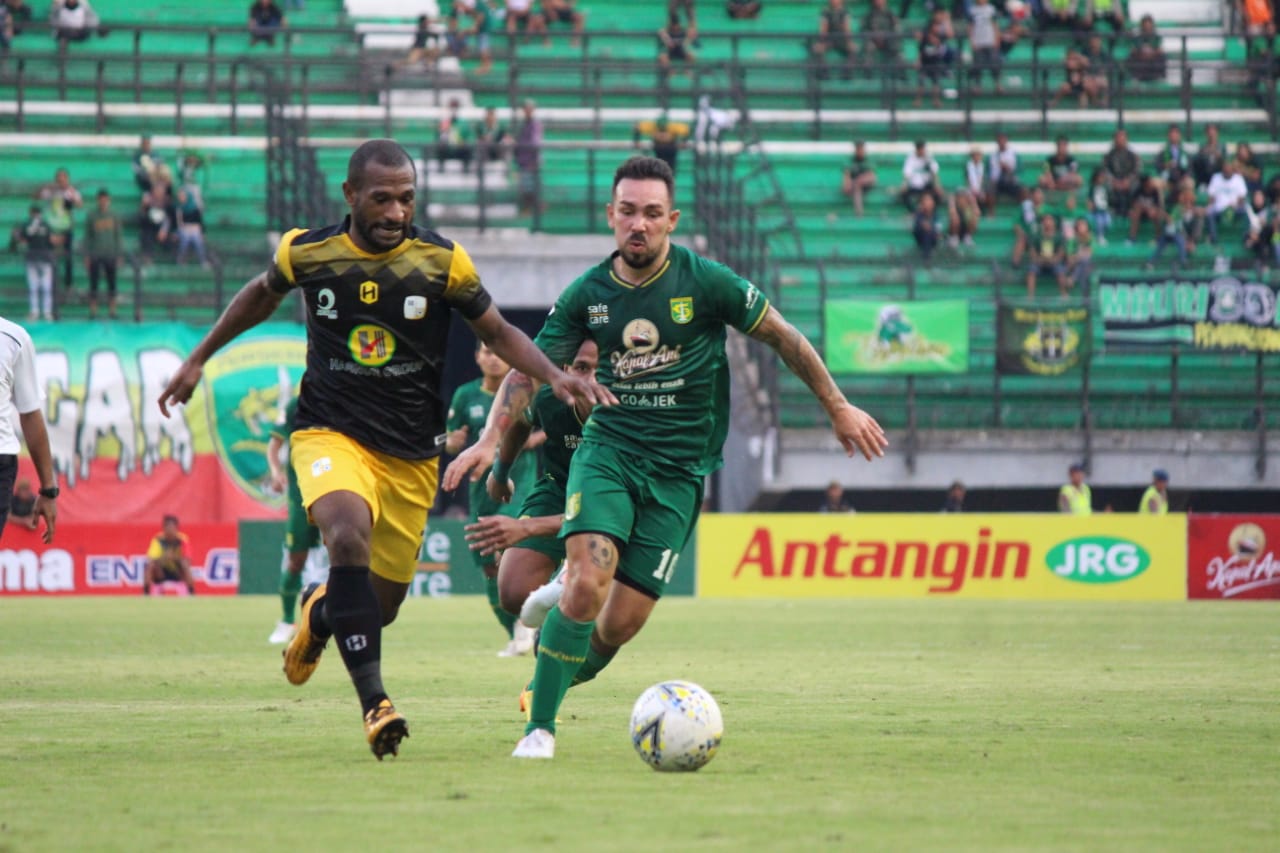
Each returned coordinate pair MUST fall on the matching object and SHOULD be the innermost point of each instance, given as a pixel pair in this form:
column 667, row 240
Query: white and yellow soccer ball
column 676, row 726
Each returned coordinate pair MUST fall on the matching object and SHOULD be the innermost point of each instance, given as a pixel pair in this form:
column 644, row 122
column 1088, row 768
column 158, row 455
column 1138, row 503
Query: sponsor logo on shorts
column 572, row 506
column 1097, row 559
column 369, row 292
column 321, row 466
column 371, row 345
column 415, row 307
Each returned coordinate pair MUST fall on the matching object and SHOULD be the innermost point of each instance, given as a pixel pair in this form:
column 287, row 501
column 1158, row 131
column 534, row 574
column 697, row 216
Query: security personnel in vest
column 1075, row 498
column 1155, row 500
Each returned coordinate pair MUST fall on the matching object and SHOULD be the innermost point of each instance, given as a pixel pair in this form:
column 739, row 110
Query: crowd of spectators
column 1182, row 198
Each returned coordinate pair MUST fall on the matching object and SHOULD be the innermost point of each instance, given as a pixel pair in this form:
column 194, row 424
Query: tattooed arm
column 509, row 405
column 854, row 428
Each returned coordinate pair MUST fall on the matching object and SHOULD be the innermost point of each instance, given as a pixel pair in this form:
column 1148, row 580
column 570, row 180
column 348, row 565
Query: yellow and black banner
column 1033, row 341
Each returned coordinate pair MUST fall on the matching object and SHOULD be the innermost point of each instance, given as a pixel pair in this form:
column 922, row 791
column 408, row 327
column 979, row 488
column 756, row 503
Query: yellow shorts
column 398, row 491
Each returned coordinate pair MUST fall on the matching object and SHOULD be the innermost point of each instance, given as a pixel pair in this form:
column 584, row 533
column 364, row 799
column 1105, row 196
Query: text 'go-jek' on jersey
column 377, row 327
column 662, row 353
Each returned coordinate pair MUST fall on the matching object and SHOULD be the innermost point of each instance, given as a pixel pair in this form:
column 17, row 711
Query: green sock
column 561, row 653
column 591, row 667
column 505, row 619
column 290, row 586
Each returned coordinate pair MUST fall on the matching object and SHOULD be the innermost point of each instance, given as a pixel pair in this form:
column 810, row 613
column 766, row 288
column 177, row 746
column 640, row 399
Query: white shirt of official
column 20, row 392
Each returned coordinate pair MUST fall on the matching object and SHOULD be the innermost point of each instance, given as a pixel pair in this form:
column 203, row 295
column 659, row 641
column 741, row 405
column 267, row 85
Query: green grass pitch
column 134, row 724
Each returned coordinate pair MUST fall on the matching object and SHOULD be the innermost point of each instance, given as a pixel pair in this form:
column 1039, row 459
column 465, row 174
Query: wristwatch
column 50, row 493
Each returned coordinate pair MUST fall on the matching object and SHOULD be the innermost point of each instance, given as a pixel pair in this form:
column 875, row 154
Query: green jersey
column 563, row 431
column 662, row 353
column 470, row 407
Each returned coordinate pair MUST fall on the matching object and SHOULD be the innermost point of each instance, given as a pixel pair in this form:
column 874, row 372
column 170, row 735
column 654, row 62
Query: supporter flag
column 897, row 337
column 1041, row 341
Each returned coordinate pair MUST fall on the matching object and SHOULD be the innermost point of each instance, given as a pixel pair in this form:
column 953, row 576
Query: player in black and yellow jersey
column 378, row 293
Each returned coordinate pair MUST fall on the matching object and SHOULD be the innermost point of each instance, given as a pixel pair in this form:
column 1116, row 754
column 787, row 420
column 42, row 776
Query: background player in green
column 467, row 414
column 659, row 314
column 530, row 545
column 300, row 535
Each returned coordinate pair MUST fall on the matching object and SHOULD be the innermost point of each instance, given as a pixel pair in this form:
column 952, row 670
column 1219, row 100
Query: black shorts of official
column 8, row 473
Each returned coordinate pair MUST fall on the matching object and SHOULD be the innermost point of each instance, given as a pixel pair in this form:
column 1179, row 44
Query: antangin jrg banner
column 1221, row 313
column 1041, row 341
column 897, row 337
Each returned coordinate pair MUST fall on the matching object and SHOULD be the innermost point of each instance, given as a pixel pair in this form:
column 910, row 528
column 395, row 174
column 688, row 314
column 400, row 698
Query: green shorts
column 650, row 507
column 299, row 533
column 545, row 498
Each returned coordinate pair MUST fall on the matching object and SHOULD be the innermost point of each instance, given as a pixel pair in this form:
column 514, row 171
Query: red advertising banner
column 109, row 559
column 1233, row 556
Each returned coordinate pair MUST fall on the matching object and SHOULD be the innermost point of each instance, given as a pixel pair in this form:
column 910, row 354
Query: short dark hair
column 104, row 193
column 642, row 168
column 169, row 518
column 385, row 152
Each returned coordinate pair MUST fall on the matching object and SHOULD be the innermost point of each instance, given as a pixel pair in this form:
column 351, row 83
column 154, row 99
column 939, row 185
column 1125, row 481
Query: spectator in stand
column 1060, row 14
column 103, row 248
column 664, row 138
column 1208, row 161
column 73, row 20
column 859, row 177
column 167, row 558
column 190, row 229
column 1048, row 256
column 1061, row 171
column 192, row 174
column 60, row 200
column 1111, row 12
column 689, row 7
column 743, row 10
column 145, row 162
column 1026, row 224
column 977, row 181
column 1146, row 60
column 964, row 214
column 481, row 29
column 1177, row 228
column 22, row 505
column 1099, row 207
column 1002, row 171
column 984, row 39
column 955, row 498
column 155, row 228
column 1123, row 168
column 38, row 243
column 1248, row 166
column 6, row 36
column 1079, row 253
column 1086, row 75
column 19, row 14
column 673, row 45
column 563, row 12
column 925, row 227
column 920, row 177
column 521, row 18
column 1147, row 205
column 835, row 34
column 492, row 139
column 453, row 140
column 266, row 21
column 1172, row 162
column 425, row 49
column 936, row 57
column 528, row 158
column 880, row 34
column 1261, row 228
column 1228, row 195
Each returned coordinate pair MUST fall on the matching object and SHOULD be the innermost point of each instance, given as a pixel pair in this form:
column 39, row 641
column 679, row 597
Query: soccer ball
column 676, row 725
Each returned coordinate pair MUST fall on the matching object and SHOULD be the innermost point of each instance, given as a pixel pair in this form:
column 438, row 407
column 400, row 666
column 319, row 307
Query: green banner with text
column 897, row 337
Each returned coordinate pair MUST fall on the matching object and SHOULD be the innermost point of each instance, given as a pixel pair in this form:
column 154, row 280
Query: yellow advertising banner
column 1109, row 557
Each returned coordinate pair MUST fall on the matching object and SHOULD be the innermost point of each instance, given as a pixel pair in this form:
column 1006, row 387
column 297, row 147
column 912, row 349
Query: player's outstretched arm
column 510, row 446
column 255, row 302
column 514, row 347
column 492, row 533
column 509, row 405
column 855, row 429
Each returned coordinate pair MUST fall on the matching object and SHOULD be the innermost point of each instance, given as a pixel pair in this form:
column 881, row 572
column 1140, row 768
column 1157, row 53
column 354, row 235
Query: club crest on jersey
column 682, row 309
column 642, row 355
column 415, row 307
column 371, row 345
column 369, row 292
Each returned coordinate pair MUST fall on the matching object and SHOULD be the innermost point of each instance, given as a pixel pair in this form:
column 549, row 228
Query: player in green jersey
column 300, row 535
column 468, row 411
column 659, row 314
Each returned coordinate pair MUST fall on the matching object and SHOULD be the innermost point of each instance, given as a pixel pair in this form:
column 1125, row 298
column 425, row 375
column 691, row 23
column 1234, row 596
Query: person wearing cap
column 1075, row 497
column 1155, row 500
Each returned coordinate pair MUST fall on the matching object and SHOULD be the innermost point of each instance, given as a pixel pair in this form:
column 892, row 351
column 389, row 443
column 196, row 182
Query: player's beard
column 639, row 259
column 378, row 239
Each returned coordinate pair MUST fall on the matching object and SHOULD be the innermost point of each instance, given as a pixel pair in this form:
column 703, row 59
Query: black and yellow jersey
column 377, row 327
